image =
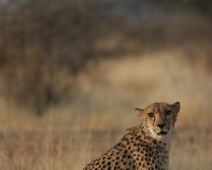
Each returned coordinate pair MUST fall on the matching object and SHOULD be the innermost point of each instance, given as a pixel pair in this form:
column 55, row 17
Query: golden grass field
column 69, row 137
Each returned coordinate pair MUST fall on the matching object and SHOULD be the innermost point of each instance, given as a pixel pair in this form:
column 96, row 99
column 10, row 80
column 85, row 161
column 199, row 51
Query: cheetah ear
column 139, row 112
column 176, row 107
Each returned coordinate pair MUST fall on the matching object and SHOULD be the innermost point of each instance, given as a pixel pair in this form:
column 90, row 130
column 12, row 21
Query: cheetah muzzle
column 143, row 147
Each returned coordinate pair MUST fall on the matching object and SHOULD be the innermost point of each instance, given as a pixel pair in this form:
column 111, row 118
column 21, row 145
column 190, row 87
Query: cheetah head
column 159, row 118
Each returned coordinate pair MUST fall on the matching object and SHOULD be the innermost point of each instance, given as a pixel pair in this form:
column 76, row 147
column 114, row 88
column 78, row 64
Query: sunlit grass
column 69, row 137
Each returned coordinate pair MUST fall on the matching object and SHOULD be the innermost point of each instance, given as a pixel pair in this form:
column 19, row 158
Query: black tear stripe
column 154, row 108
column 153, row 121
column 167, row 122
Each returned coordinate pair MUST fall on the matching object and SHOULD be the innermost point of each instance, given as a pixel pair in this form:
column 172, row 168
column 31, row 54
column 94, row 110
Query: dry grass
column 70, row 137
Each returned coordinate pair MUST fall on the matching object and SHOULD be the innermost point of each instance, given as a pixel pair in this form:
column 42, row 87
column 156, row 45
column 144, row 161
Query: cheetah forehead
column 158, row 107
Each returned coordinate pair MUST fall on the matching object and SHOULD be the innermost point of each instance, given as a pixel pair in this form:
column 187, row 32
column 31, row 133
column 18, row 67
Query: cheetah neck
column 148, row 135
column 164, row 140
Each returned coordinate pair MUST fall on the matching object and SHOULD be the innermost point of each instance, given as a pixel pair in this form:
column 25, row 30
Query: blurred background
column 72, row 72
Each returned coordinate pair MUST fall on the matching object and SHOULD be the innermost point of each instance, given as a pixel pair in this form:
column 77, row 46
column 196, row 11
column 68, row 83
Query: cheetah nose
column 160, row 125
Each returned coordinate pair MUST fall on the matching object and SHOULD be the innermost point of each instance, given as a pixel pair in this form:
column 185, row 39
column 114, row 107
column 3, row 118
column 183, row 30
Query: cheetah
column 143, row 147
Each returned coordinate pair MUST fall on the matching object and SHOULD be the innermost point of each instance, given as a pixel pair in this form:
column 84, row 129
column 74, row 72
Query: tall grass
column 68, row 137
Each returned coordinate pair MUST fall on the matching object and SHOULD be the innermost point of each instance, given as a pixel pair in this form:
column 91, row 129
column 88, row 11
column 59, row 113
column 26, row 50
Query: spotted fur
column 143, row 147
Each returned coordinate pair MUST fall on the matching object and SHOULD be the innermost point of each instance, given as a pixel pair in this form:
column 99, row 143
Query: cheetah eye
column 168, row 112
column 151, row 114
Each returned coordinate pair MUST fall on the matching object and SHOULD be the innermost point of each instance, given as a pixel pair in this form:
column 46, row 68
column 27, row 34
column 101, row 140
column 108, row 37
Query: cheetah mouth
column 162, row 133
